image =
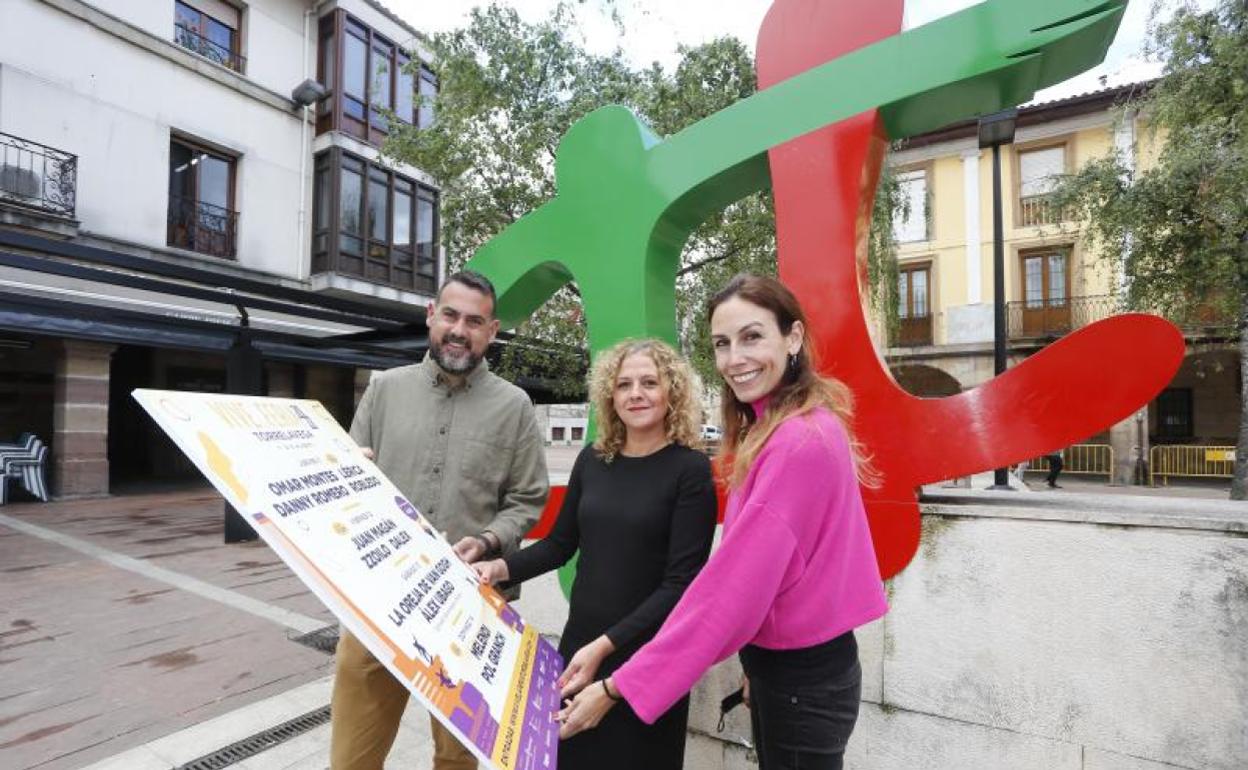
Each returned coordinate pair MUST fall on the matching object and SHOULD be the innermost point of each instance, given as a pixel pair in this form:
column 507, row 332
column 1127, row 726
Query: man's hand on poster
column 368, row 452
column 584, row 665
column 587, row 709
column 473, row 548
column 492, row 572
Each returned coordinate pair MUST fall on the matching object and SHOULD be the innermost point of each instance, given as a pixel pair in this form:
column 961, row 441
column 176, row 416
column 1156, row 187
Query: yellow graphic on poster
column 378, row 564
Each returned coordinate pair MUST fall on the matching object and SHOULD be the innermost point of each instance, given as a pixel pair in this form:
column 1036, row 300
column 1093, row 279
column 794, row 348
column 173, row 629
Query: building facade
column 191, row 197
column 944, row 340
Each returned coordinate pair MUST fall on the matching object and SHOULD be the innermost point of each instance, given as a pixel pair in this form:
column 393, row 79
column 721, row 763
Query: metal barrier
column 1085, row 459
column 1190, row 461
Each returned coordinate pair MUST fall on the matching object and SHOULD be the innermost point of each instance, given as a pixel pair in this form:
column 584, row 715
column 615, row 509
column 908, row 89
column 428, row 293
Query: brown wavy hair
column 684, row 410
column 801, row 389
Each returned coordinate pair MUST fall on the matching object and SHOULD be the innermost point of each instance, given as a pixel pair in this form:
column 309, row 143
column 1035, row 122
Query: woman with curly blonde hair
column 796, row 571
column 640, row 508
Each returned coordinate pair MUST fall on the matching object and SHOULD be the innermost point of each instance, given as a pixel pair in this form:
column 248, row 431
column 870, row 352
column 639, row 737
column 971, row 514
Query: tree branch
column 729, row 254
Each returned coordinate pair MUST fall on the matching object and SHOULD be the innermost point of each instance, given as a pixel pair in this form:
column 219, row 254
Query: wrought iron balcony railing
column 202, row 227
column 193, row 41
column 1039, row 319
column 37, row 176
column 1055, row 317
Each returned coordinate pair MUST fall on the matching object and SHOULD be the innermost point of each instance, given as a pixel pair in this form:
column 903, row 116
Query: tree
column 1179, row 229
column 509, row 91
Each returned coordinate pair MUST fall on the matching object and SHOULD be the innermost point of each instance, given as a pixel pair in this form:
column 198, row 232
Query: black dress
column 643, row 526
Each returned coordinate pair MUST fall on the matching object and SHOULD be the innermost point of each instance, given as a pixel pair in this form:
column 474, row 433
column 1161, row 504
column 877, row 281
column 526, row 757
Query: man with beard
column 464, row 446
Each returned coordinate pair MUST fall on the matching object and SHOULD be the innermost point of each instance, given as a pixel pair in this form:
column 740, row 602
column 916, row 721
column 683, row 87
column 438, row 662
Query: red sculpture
column 824, row 185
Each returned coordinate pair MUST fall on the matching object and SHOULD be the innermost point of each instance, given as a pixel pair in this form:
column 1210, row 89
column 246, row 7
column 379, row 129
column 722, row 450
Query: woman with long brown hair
column 640, row 508
column 796, row 571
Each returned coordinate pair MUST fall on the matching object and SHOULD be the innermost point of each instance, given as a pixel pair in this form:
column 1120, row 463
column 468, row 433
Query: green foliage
column 1179, row 227
column 509, row 91
column 882, row 291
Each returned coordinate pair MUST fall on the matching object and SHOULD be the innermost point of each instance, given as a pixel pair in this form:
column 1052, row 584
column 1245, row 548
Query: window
column 326, row 69
column 578, row 434
column 914, row 305
column 405, row 88
column 426, row 229
column 1046, row 293
column 201, row 197
column 1044, row 279
column 380, row 226
column 912, row 227
column 210, row 29
column 1038, row 172
column 381, row 90
column 376, row 77
column 428, row 92
column 321, row 201
column 351, row 197
column 1174, row 413
column 557, row 434
column 354, row 67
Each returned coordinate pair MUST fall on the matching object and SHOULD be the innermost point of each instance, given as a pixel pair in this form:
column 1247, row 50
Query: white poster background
column 300, row 480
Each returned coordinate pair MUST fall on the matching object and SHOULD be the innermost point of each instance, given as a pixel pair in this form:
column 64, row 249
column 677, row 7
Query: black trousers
column 1055, row 468
column 803, row 704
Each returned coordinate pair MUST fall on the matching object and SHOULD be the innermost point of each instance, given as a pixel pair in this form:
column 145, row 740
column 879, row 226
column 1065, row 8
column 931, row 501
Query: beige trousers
column 368, row 703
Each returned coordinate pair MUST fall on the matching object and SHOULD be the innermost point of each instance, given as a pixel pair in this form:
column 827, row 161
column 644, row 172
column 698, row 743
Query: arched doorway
column 926, row 381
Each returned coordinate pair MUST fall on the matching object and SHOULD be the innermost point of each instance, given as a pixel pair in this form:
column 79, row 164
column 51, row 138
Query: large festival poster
column 371, row 557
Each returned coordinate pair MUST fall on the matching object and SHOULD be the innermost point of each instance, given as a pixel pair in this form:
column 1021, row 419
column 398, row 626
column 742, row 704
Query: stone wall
column 1107, row 633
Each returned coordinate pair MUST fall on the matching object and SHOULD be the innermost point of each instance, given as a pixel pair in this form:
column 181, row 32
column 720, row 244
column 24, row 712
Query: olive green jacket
column 470, row 459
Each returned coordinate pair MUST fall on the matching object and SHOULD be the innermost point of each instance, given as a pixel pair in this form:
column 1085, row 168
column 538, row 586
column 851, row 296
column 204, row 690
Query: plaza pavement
column 132, row 638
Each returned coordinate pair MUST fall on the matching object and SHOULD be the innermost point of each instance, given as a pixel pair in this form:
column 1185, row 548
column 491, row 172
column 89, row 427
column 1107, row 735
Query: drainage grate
column 249, row 747
column 322, row 639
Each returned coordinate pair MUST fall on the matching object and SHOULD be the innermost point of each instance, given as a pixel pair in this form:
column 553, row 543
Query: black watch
column 486, row 544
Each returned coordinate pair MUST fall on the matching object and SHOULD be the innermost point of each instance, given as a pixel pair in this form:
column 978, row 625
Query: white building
column 171, row 216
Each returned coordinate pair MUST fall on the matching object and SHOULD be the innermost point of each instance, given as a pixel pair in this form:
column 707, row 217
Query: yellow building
column 1053, row 285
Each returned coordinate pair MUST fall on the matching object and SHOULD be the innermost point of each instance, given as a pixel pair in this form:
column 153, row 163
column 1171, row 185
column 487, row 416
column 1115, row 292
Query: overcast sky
column 654, row 28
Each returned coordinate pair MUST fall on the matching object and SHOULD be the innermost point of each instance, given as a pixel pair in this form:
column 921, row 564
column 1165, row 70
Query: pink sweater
column 795, row 568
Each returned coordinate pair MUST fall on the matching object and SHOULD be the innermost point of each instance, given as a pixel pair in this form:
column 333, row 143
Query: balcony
column 914, row 331
column 37, row 177
column 214, row 52
column 1036, row 210
column 1038, row 319
column 202, row 227
column 1054, row 318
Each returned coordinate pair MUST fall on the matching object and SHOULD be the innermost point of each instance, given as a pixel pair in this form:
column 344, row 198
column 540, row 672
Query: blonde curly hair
column 684, row 411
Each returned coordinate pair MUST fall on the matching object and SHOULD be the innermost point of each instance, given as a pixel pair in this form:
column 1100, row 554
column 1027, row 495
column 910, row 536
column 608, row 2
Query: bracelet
column 607, row 690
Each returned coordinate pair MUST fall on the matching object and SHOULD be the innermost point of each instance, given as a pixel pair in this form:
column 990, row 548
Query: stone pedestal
column 1129, row 440
column 80, row 420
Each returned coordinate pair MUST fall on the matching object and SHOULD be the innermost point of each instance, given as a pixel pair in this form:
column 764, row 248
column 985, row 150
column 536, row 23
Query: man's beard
column 454, row 364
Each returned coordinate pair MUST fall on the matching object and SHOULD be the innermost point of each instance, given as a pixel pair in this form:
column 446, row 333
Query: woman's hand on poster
column 368, row 453
column 492, row 572
column 584, row 665
column 586, row 710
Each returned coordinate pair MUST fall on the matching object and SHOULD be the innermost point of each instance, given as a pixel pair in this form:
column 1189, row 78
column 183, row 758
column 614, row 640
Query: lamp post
column 995, row 130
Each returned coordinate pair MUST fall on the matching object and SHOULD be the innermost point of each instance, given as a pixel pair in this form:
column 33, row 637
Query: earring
column 792, row 362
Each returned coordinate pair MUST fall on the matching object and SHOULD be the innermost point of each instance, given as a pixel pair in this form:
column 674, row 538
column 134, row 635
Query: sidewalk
column 132, row 638
column 126, row 619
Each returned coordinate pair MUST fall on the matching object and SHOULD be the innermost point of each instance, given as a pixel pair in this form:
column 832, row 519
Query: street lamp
column 995, row 130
